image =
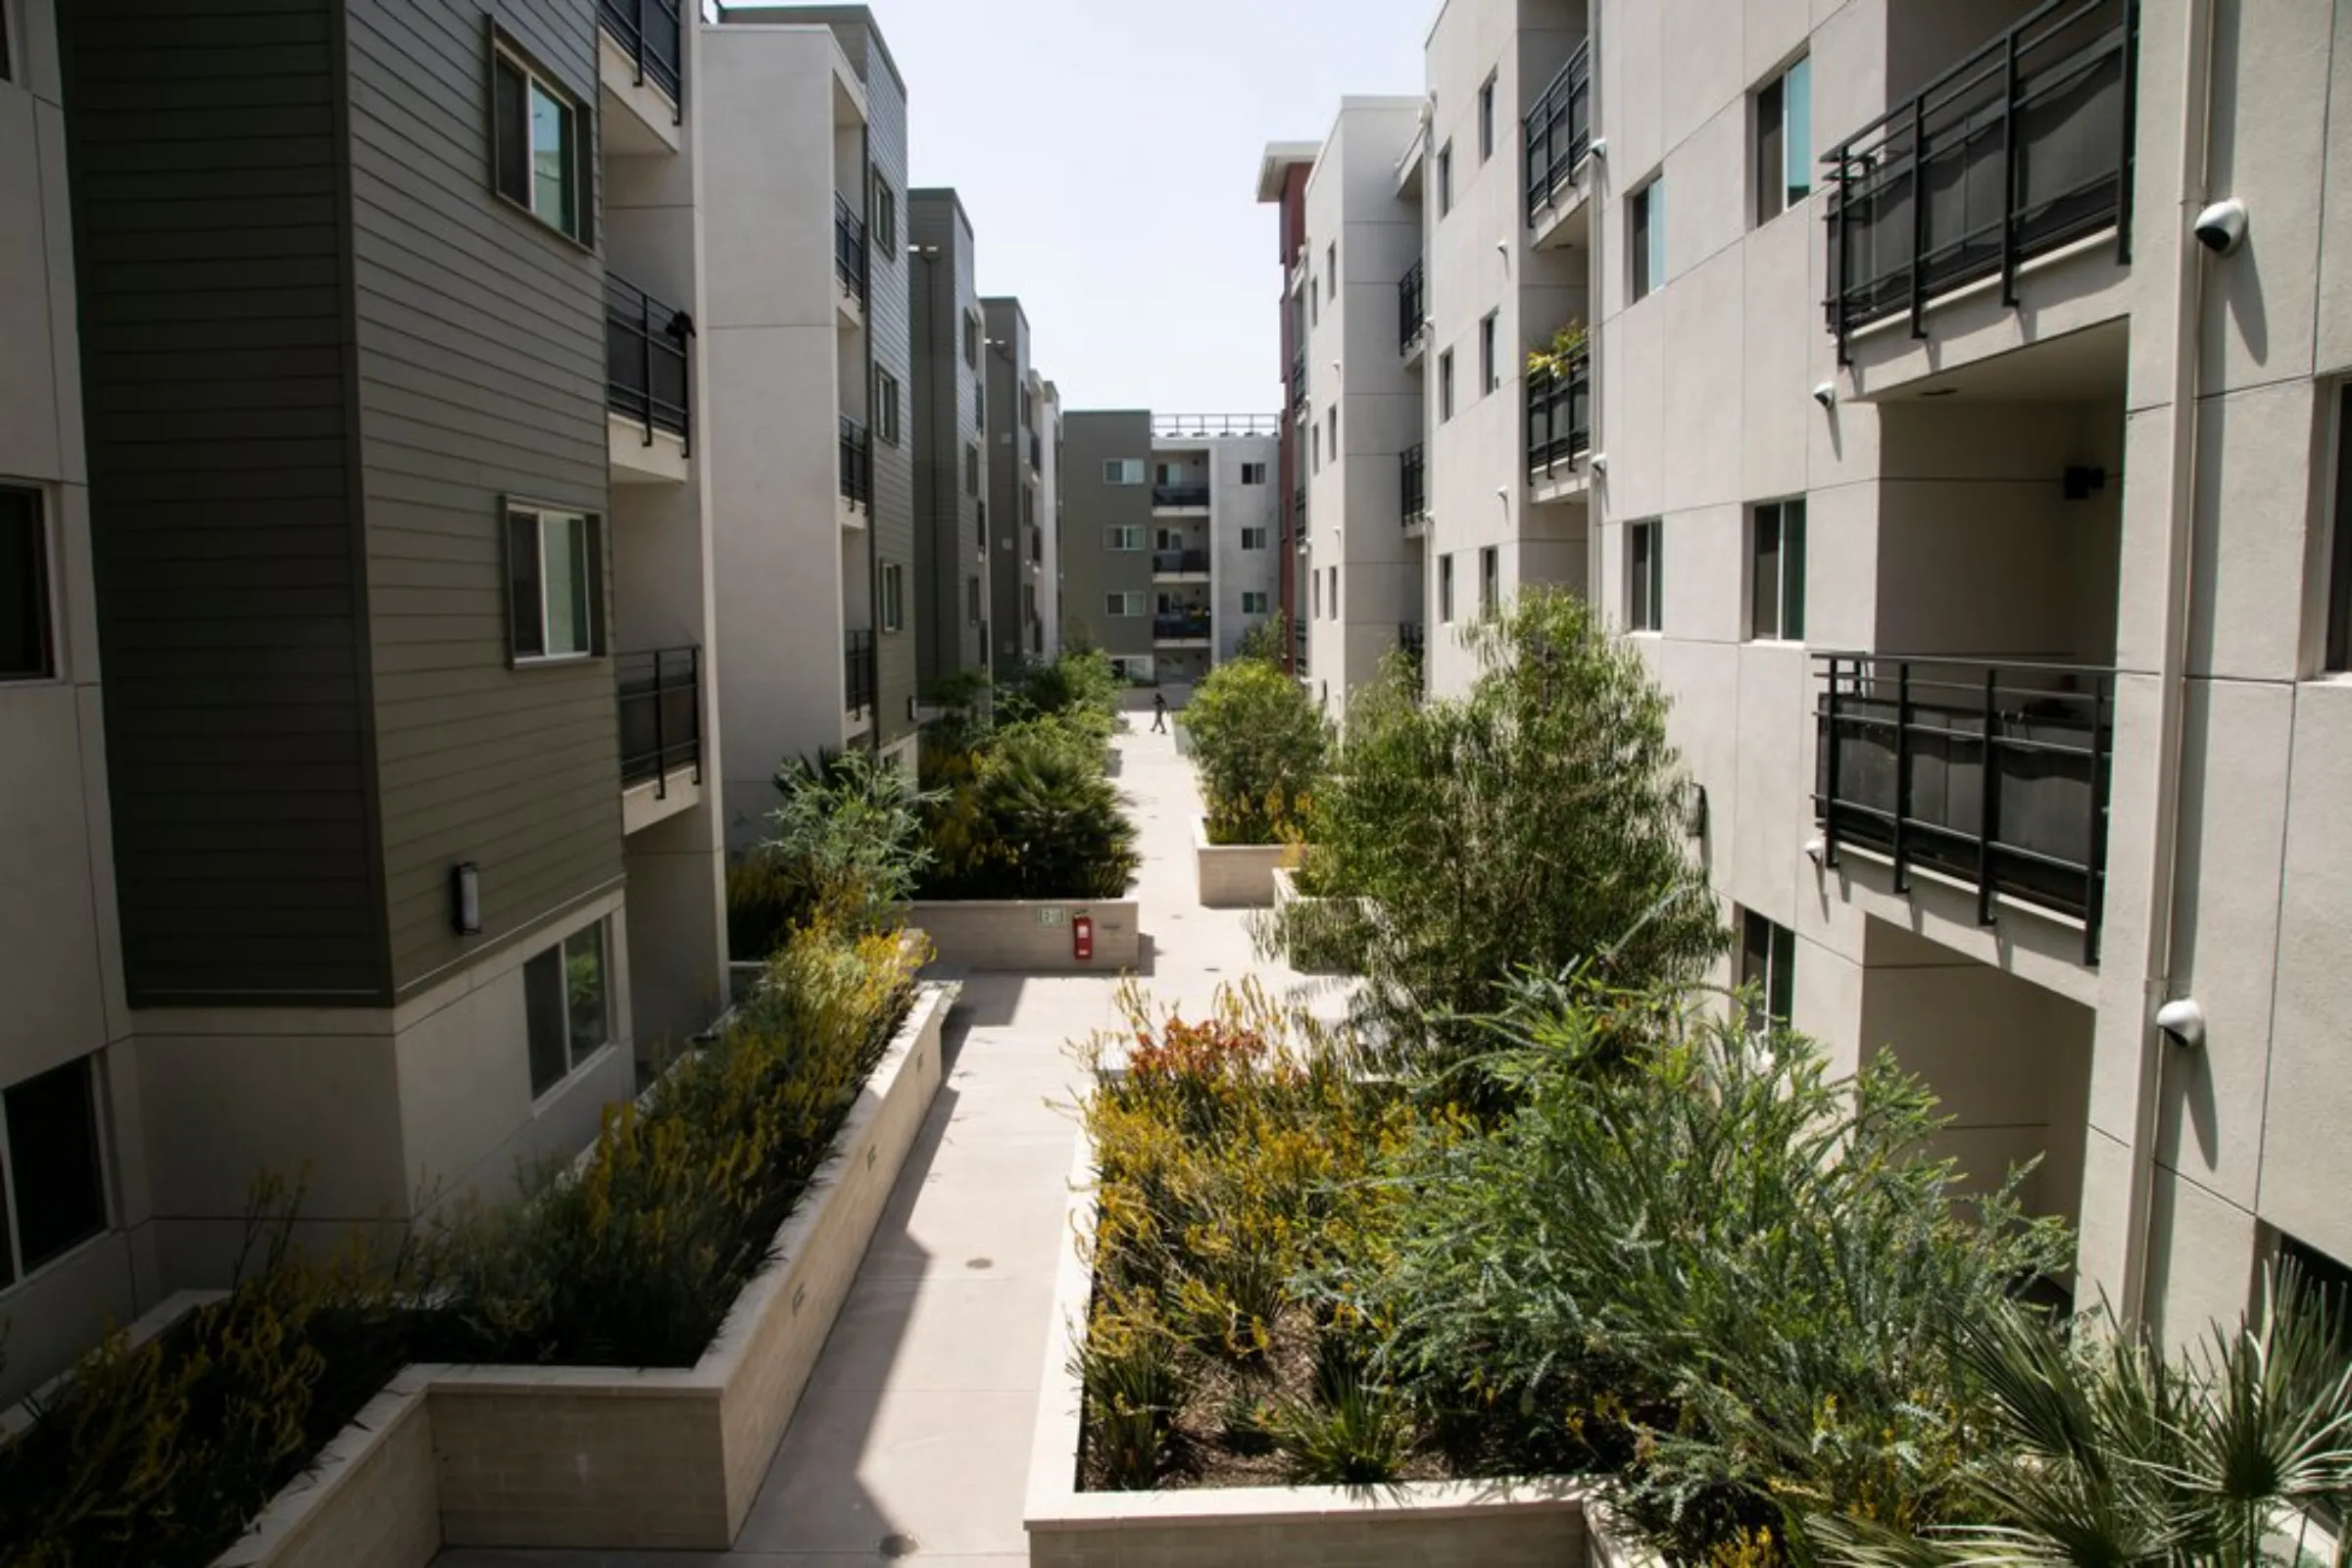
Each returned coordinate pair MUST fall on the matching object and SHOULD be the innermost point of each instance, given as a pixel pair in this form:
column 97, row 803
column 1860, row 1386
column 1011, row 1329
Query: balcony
column 1298, row 514
column 1298, row 662
column 646, row 384
column 1299, row 382
column 1180, row 498
column 860, row 680
column 1559, row 425
column 661, row 696
column 639, row 64
column 1180, row 563
column 857, row 468
column 1181, row 626
column 1037, row 455
column 648, row 35
column 850, row 257
column 1412, row 312
column 2021, row 149
column 1558, row 135
column 1993, row 776
column 1413, row 499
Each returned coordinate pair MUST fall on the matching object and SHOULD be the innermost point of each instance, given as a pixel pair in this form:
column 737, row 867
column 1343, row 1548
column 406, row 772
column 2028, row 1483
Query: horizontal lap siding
column 890, row 328
column 207, row 196
column 481, row 377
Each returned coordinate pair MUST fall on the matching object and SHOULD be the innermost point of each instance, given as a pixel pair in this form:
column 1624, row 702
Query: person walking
column 1159, row 713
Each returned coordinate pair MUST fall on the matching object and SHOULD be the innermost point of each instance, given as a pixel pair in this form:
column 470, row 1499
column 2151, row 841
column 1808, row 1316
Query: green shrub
column 846, row 847
column 1029, row 815
column 1260, row 744
column 1269, row 640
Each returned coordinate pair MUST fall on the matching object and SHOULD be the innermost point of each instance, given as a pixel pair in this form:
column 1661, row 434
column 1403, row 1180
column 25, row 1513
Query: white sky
column 1107, row 153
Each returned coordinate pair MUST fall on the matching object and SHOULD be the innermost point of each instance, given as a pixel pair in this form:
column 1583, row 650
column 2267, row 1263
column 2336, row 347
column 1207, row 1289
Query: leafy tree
column 1028, row 815
column 1269, row 640
column 1537, row 822
column 847, row 845
column 1259, row 745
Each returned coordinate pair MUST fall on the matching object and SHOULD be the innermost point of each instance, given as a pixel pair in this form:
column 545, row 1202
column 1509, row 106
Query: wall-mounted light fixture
column 466, row 898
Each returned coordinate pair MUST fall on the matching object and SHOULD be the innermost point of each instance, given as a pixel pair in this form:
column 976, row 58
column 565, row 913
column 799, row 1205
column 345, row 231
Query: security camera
column 2183, row 1023
column 1599, row 147
column 1826, row 393
column 2222, row 228
column 1598, row 463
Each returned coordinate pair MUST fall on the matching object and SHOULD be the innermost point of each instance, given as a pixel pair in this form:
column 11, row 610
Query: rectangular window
column 2339, row 567
column 1445, row 386
column 1335, row 591
column 1489, row 580
column 1490, row 374
column 1776, row 571
column 1167, row 473
column 882, row 225
column 1767, row 971
column 52, row 1178
column 1123, row 470
column 1253, row 473
column 1314, row 305
column 980, row 403
column 1646, row 257
column 566, row 1010
column 1644, row 575
column 971, row 468
column 1783, row 141
column 1335, row 432
column 1486, row 121
column 556, row 583
column 1315, row 581
column 1253, row 602
column 886, row 407
column 540, row 146
column 1028, row 508
column 1124, row 605
column 894, row 597
column 1445, row 587
column 1253, row 538
column 971, row 341
column 1446, row 179
column 26, row 652
column 1331, row 270
column 971, row 600
column 1314, row 447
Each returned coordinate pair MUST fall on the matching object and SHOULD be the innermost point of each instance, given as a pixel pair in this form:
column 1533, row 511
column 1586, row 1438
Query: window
column 894, row 597
column 1253, row 538
column 1486, row 121
column 564, row 1009
column 1028, row 409
column 556, row 581
column 979, row 402
column 1768, row 966
column 971, row 340
column 1331, row 270
column 1253, row 473
column 1314, row 580
column 540, row 146
column 972, row 467
column 1135, row 667
column 1776, row 571
column 51, row 1167
column 1124, row 605
column 1335, row 432
column 1783, row 141
column 1446, row 179
column 1445, row 386
column 971, row 600
column 25, row 641
column 2339, row 568
column 5, row 68
column 886, row 407
column 1445, row 587
column 1028, row 508
column 1646, row 257
column 1489, row 375
column 1123, row 470
column 1489, row 580
column 882, row 224
column 1253, row 602
column 1314, row 305
column 1314, row 446
column 1644, row 575
column 1335, row 591
column 1167, row 473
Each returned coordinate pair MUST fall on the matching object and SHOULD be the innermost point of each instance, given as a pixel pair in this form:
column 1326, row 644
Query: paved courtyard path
column 913, row 1439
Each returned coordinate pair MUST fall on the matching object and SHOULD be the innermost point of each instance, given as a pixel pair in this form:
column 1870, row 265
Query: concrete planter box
column 1529, row 1524
column 1030, row 936
column 604, row 1457
column 1234, row 876
column 1287, row 896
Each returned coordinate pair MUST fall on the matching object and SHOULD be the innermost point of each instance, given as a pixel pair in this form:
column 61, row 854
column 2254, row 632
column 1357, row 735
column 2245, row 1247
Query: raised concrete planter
column 1028, row 935
column 1512, row 1524
column 1286, row 896
column 1234, row 876
column 606, row 1458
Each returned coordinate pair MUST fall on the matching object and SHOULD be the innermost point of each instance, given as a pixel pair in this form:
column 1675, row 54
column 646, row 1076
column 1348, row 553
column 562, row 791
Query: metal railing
column 861, row 680
column 1413, row 306
column 1413, row 469
column 1990, row 772
column 1037, row 455
column 660, row 694
column 1176, row 496
column 1297, row 380
column 1168, row 563
column 649, row 33
column 849, row 247
column 1208, row 426
column 1298, row 514
column 1298, row 662
column 856, row 464
column 1188, row 625
column 1559, row 129
column 2022, row 147
column 1559, row 413
column 1410, row 638
column 646, row 375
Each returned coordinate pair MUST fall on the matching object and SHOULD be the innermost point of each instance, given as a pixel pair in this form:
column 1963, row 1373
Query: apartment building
column 2003, row 611
column 951, row 438
column 1282, row 183
column 1015, row 475
column 1048, row 511
column 807, row 334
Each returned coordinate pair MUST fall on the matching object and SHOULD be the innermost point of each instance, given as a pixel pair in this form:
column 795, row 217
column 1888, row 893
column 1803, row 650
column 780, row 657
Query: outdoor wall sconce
column 466, row 898
column 2082, row 482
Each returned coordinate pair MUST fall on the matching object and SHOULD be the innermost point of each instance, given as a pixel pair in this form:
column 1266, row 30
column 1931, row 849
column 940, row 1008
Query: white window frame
column 1645, row 268
column 1490, row 579
column 1645, row 613
column 1777, row 980
column 1446, row 179
column 1445, row 387
column 1796, row 153
column 590, row 575
column 1490, row 352
column 1486, row 118
column 1446, row 588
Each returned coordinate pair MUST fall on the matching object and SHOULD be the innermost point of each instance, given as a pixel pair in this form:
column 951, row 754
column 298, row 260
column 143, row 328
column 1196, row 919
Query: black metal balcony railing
column 648, row 33
column 857, row 465
column 1299, row 662
column 860, row 678
column 1409, row 638
column 1180, row 495
column 1413, row 306
column 1298, row 514
column 1299, row 380
column 1559, row 414
column 1037, row 455
column 849, row 247
column 1184, row 625
column 1413, row 502
column 1996, row 774
column 660, row 715
column 2022, row 147
column 646, row 374
column 1559, row 129
column 1167, row 562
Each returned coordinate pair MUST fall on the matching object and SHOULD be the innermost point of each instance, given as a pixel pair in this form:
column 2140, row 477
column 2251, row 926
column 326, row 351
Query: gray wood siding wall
column 890, row 334
column 1008, row 371
column 944, row 291
column 1089, row 573
column 208, row 191
column 481, row 375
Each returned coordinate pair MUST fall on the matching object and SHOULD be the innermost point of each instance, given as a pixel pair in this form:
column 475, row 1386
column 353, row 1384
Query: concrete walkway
column 912, row 1440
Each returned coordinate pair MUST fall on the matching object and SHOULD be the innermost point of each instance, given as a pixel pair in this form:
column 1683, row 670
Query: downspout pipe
column 2188, row 261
